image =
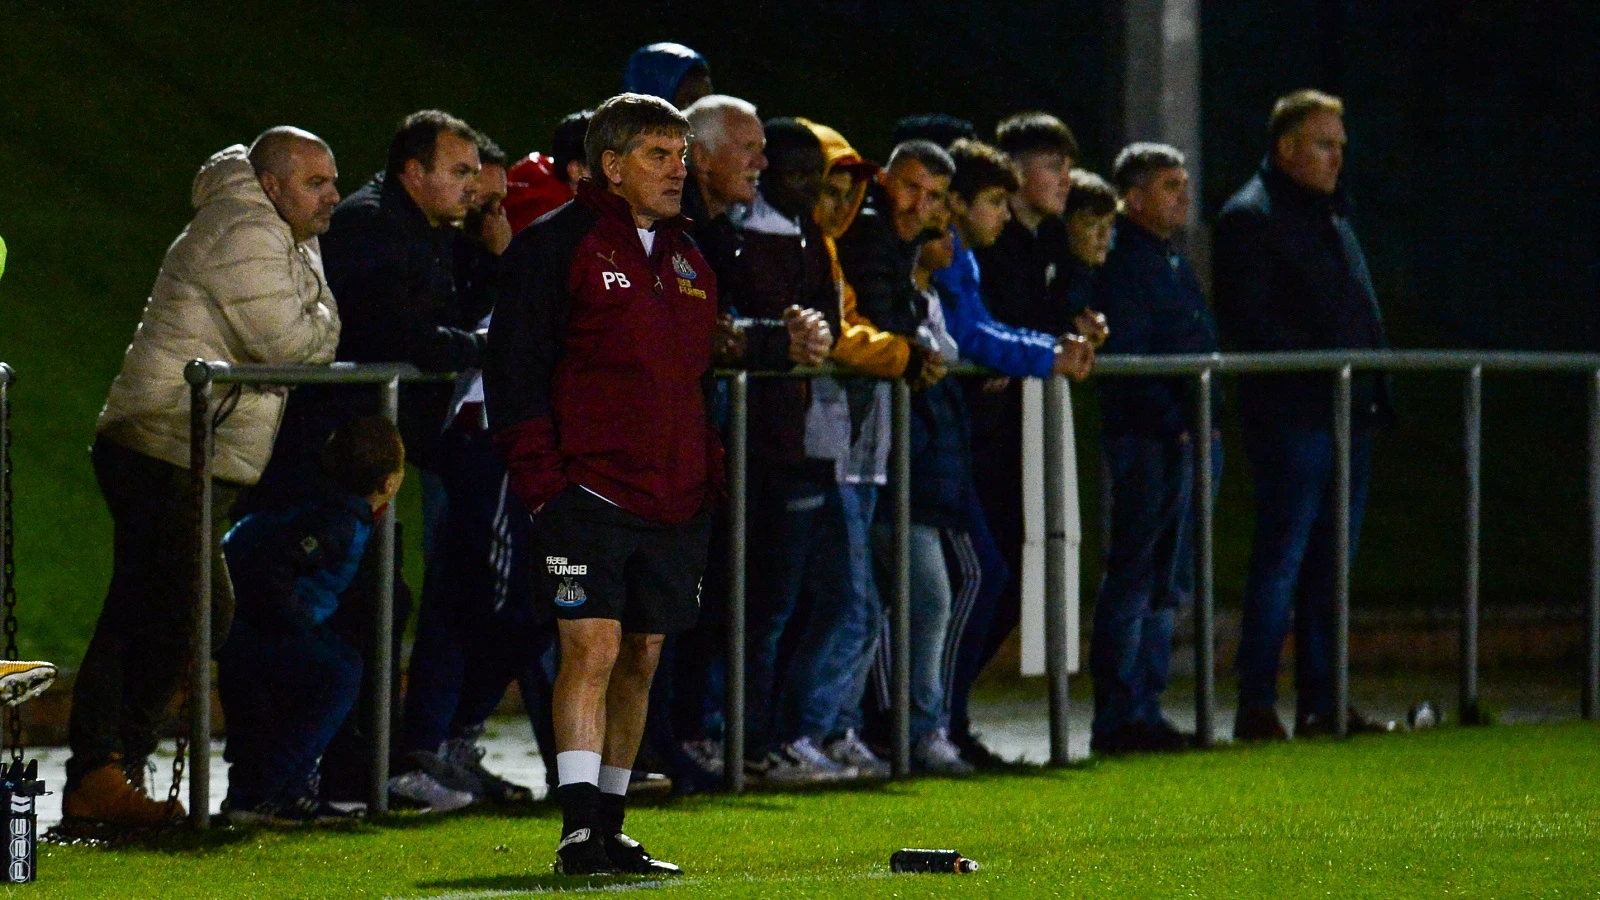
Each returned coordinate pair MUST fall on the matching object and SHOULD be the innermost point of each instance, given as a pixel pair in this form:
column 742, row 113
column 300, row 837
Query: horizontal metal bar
column 1330, row 361
column 218, row 372
column 1333, row 360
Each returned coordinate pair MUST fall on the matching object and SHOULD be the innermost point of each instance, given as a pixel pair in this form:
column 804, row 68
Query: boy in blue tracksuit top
column 985, row 179
column 288, row 680
column 1156, row 304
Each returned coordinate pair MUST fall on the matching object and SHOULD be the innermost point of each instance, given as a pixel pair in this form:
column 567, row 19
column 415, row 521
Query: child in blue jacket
column 287, row 679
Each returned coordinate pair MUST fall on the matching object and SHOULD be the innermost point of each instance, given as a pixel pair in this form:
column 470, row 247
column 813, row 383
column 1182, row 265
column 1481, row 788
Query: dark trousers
column 284, row 695
column 139, row 654
column 1149, row 574
column 475, row 631
column 997, row 476
column 979, row 578
column 1292, row 570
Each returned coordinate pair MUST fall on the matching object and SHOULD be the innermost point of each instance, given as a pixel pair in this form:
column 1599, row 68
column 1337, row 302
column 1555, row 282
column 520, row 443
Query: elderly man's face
column 305, row 193
column 649, row 176
column 729, row 173
column 446, row 190
column 1313, row 153
column 918, row 198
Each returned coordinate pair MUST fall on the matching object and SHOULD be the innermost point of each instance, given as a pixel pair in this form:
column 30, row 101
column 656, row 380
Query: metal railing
column 201, row 376
column 1341, row 364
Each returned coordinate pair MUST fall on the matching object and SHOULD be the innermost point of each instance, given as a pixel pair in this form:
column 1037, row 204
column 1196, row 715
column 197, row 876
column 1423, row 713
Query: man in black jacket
column 1290, row 275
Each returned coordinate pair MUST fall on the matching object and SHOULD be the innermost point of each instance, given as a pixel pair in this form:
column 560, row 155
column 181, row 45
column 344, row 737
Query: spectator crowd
column 995, row 250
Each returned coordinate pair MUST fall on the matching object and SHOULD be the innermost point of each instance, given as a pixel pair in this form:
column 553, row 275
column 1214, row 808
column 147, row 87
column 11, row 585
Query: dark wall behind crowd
column 1472, row 162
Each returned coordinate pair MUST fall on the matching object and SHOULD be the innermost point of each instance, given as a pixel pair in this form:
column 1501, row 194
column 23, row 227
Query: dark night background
column 1472, row 162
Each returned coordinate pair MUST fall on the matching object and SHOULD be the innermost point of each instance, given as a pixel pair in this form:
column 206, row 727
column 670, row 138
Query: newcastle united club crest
column 570, row 593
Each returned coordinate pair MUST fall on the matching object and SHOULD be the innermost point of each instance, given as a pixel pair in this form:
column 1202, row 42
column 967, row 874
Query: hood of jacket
column 658, row 69
column 228, row 175
column 841, row 156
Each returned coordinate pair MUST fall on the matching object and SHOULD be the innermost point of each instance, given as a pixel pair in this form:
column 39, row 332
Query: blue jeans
column 1149, row 573
column 930, row 628
column 811, row 537
column 1292, row 568
column 285, row 696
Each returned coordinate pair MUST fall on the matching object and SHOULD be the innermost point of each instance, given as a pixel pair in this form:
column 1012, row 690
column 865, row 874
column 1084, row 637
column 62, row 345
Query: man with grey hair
column 596, row 385
column 243, row 283
column 1148, row 290
column 726, row 160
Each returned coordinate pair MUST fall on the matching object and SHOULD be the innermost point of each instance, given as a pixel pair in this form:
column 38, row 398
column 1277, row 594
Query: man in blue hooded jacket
column 673, row 72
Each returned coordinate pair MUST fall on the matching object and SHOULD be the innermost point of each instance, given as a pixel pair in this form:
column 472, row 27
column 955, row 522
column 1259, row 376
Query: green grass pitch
column 1503, row 812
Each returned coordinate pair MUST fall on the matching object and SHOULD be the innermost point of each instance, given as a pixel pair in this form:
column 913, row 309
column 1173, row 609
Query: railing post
column 1205, row 639
column 1472, row 441
column 1591, row 675
column 1341, row 550
column 1056, row 636
column 383, row 635
column 201, row 441
column 7, row 375
column 738, row 440
column 900, row 632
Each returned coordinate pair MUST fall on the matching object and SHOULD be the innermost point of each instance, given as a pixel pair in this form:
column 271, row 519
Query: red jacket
column 599, row 361
column 532, row 189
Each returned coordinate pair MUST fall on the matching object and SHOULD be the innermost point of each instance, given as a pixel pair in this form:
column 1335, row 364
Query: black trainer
column 580, row 854
column 629, row 856
column 981, row 757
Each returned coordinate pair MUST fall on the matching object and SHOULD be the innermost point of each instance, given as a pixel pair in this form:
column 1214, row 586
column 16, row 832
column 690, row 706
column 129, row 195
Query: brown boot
column 106, row 795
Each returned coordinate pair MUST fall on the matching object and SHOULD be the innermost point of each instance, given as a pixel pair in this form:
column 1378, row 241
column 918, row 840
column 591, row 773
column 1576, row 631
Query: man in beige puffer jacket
column 243, row 283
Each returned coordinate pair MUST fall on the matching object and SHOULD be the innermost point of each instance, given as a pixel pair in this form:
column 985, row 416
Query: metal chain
column 8, row 562
column 180, row 758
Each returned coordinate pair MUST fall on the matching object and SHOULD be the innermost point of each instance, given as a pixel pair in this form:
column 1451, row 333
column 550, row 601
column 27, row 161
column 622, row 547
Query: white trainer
column 850, row 750
column 420, row 787
column 707, row 753
column 800, row 762
column 937, row 755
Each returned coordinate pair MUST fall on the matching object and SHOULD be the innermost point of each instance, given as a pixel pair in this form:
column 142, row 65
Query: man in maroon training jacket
column 597, row 377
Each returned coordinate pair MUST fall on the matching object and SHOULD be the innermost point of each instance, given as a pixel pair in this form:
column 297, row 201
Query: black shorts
column 595, row 560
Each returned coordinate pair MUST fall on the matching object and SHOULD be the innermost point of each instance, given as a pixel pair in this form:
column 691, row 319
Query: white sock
column 614, row 780
column 578, row 767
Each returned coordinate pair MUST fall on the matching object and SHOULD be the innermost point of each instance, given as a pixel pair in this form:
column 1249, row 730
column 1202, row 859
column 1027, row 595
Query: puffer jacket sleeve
column 860, row 344
column 278, row 311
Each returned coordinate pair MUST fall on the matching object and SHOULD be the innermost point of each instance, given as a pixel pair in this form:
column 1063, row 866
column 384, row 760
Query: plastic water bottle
column 21, row 785
column 931, row 861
